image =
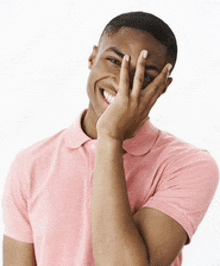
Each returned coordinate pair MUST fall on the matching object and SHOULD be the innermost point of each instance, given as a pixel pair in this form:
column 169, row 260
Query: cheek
column 95, row 76
column 101, row 71
column 105, row 67
column 90, row 84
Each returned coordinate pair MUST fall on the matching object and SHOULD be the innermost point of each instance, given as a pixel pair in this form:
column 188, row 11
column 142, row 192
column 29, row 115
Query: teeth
column 110, row 98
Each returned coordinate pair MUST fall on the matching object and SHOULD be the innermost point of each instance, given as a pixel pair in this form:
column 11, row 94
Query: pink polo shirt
column 47, row 198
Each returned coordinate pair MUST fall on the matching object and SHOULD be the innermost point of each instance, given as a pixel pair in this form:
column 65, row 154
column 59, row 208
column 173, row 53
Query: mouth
column 108, row 98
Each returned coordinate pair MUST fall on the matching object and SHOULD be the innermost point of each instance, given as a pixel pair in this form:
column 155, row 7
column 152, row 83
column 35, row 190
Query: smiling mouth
column 109, row 98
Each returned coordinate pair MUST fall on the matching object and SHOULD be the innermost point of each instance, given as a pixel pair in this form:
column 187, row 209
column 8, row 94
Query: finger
column 153, row 91
column 124, row 82
column 160, row 82
column 139, row 76
column 169, row 81
column 152, row 100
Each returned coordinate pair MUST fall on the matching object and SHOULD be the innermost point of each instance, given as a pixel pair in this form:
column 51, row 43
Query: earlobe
column 93, row 56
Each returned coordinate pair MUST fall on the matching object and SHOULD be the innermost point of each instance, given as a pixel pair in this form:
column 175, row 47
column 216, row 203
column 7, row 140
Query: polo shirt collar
column 140, row 144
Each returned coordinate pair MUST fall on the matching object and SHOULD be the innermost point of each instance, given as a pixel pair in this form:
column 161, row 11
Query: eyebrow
column 115, row 50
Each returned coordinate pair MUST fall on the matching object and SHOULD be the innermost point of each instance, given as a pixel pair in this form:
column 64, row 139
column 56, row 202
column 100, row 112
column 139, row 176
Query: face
column 105, row 62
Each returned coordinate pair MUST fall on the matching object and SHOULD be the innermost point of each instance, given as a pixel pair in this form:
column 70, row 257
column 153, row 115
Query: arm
column 17, row 253
column 116, row 240
column 148, row 238
column 119, row 238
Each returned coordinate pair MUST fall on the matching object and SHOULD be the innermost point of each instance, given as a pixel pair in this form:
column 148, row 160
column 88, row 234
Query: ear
column 168, row 84
column 93, row 56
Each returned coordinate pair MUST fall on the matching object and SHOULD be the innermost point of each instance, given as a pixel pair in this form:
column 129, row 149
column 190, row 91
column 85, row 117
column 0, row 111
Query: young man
column 112, row 189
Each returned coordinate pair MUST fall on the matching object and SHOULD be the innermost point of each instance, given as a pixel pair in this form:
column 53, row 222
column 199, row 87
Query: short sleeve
column 186, row 188
column 15, row 202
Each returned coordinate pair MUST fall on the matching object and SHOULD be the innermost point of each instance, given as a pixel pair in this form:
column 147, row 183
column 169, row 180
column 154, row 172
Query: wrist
column 108, row 142
column 108, row 139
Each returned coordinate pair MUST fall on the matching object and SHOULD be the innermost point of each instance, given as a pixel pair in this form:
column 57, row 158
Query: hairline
column 112, row 30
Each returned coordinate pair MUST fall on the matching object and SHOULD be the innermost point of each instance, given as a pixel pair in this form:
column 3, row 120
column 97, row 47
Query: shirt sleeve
column 15, row 202
column 186, row 188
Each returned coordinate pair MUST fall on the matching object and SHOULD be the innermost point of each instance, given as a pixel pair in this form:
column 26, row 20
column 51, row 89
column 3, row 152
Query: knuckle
column 164, row 72
column 142, row 63
column 134, row 102
column 140, row 79
column 124, row 103
column 126, row 80
column 156, row 87
column 126, row 67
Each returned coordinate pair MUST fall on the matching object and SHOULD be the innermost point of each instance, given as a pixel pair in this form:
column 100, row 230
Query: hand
column 129, row 111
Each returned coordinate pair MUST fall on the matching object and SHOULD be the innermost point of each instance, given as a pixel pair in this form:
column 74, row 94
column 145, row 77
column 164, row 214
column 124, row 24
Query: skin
column 149, row 237
column 17, row 253
column 106, row 68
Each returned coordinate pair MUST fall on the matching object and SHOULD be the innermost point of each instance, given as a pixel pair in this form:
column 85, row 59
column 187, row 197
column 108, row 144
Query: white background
column 44, row 49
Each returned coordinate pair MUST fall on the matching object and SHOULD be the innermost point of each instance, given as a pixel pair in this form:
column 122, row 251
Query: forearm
column 116, row 240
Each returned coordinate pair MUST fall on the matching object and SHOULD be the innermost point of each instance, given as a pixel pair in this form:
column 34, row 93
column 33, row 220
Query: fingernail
column 169, row 67
column 145, row 54
column 168, row 72
column 127, row 58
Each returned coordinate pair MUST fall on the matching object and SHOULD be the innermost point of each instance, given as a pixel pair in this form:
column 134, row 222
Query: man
column 112, row 189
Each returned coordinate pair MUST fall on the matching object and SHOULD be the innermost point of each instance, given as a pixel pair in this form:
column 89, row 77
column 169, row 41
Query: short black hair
column 145, row 22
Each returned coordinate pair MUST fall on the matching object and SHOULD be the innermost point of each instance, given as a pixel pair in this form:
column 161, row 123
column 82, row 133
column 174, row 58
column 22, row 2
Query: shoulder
column 184, row 162
column 187, row 180
column 174, row 148
column 40, row 151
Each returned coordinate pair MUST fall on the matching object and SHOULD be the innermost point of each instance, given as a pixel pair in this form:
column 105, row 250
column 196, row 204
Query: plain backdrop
column 44, row 50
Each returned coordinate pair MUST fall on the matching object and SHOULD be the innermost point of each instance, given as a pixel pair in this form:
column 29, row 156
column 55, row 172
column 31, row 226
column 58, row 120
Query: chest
column 62, row 194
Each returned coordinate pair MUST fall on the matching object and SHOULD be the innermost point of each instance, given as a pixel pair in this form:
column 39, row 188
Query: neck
column 89, row 126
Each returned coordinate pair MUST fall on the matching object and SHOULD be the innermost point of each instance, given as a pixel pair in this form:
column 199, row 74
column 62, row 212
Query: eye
column 114, row 61
column 149, row 78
